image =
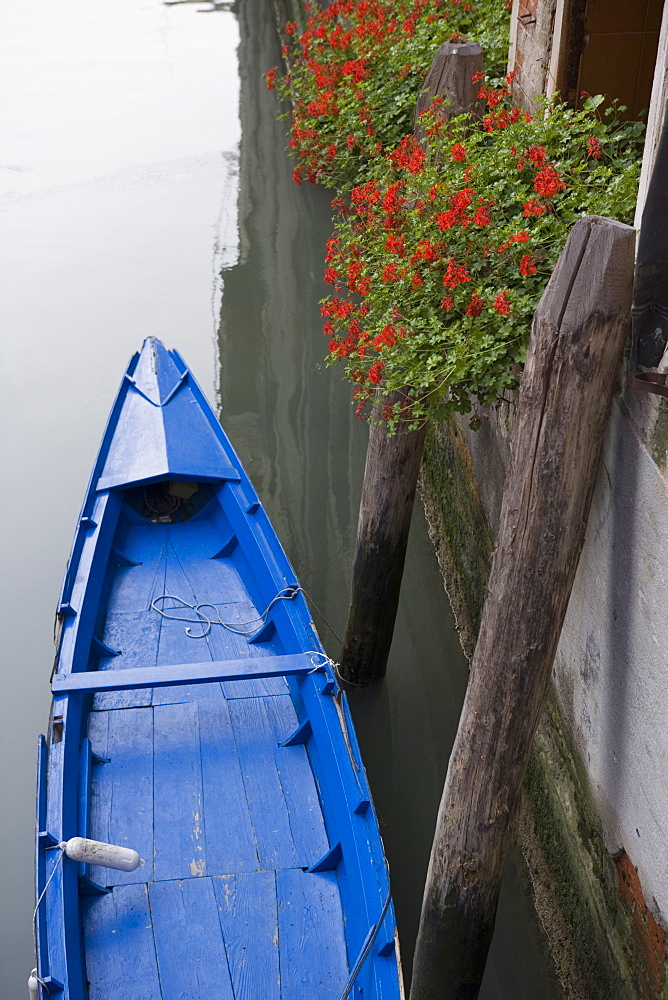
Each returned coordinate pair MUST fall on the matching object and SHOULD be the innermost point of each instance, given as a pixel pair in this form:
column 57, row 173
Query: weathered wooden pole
column 574, row 355
column 393, row 461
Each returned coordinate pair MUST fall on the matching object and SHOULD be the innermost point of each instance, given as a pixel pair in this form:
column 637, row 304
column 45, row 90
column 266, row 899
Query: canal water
column 145, row 190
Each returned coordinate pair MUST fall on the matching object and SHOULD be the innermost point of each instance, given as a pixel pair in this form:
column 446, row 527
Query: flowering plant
column 440, row 255
column 356, row 70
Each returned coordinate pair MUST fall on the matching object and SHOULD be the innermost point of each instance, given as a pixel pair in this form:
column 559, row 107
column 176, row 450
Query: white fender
column 94, row 852
column 33, row 986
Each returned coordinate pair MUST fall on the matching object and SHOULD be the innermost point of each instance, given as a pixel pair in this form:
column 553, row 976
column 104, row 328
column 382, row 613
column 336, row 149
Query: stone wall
column 594, row 828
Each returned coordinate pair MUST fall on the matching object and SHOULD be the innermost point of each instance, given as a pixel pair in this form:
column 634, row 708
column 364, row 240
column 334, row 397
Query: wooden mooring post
column 574, row 356
column 393, row 461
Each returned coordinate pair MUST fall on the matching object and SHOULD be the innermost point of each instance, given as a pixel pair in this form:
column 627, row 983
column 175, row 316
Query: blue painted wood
column 153, row 439
column 312, row 936
column 61, row 903
column 84, row 583
column 183, row 673
column 297, row 783
column 176, row 646
column 192, row 961
column 136, row 634
column 40, row 857
column 87, row 760
column 301, row 735
column 83, row 811
column 119, row 558
column 247, row 911
column 179, row 834
column 202, row 775
column 330, row 861
column 256, row 742
column 224, row 643
column 280, row 788
column 197, row 545
column 122, row 789
column 229, row 834
column 134, row 587
column 120, row 946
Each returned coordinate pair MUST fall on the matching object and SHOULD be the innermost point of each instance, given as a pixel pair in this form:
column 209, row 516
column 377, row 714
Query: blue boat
column 198, row 722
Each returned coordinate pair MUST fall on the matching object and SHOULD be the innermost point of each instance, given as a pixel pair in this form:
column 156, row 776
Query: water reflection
column 119, row 132
column 296, row 432
column 291, row 422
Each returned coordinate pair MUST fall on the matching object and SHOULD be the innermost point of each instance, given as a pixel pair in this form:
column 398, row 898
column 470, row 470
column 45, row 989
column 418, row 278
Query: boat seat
column 248, row 668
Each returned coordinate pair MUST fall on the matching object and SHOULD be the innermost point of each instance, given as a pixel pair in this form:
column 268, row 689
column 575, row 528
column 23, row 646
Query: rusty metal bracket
column 651, row 382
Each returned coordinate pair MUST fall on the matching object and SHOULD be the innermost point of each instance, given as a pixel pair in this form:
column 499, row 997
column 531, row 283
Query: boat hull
column 197, row 720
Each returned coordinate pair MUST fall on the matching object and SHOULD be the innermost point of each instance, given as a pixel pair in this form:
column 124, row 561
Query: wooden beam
column 573, row 360
column 183, row 673
column 655, row 118
column 450, row 76
column 393, row 461
column 388, row 494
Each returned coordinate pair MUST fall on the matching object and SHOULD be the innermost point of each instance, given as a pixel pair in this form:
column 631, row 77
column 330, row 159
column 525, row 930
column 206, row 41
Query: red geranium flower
column 594, row 147
column 548, row 182
column 533, row 207
column 455, row 274
column 481, row 217
column 527, row 264
column 376, row 372
column 475, row 306
column 502, row 304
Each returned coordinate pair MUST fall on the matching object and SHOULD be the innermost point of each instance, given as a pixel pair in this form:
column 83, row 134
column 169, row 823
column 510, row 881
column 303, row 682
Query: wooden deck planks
column 204, row 789
column 229, row 835
column 178, row 573
column 311, row 935
column 227, row 800
column 176, row 646
column 247, row 911
column 134, row 587
column 270, row 935
column 120, row 949
column 225, row 643
column 277, row 806
column 196, row 544
column 122, row 789
column 135, row 634
column 192, row 961
column 307, row 825
column 255, row 742
column 179, row 837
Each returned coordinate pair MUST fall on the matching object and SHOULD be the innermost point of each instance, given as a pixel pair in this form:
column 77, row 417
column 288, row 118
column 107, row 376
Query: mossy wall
column 462, row 540
column 607, row 944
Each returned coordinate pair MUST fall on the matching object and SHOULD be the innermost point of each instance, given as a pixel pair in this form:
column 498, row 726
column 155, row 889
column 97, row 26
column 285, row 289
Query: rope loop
column 207, row 621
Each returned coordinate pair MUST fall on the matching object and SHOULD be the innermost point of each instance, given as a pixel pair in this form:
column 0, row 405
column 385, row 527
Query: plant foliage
column 443, row 248
column 357, row 68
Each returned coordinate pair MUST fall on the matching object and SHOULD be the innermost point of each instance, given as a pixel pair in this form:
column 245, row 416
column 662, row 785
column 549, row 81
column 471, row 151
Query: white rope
column 55, row 847
column 206, row 622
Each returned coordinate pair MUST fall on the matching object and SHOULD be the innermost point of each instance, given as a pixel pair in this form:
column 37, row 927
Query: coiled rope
column 249, row 628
